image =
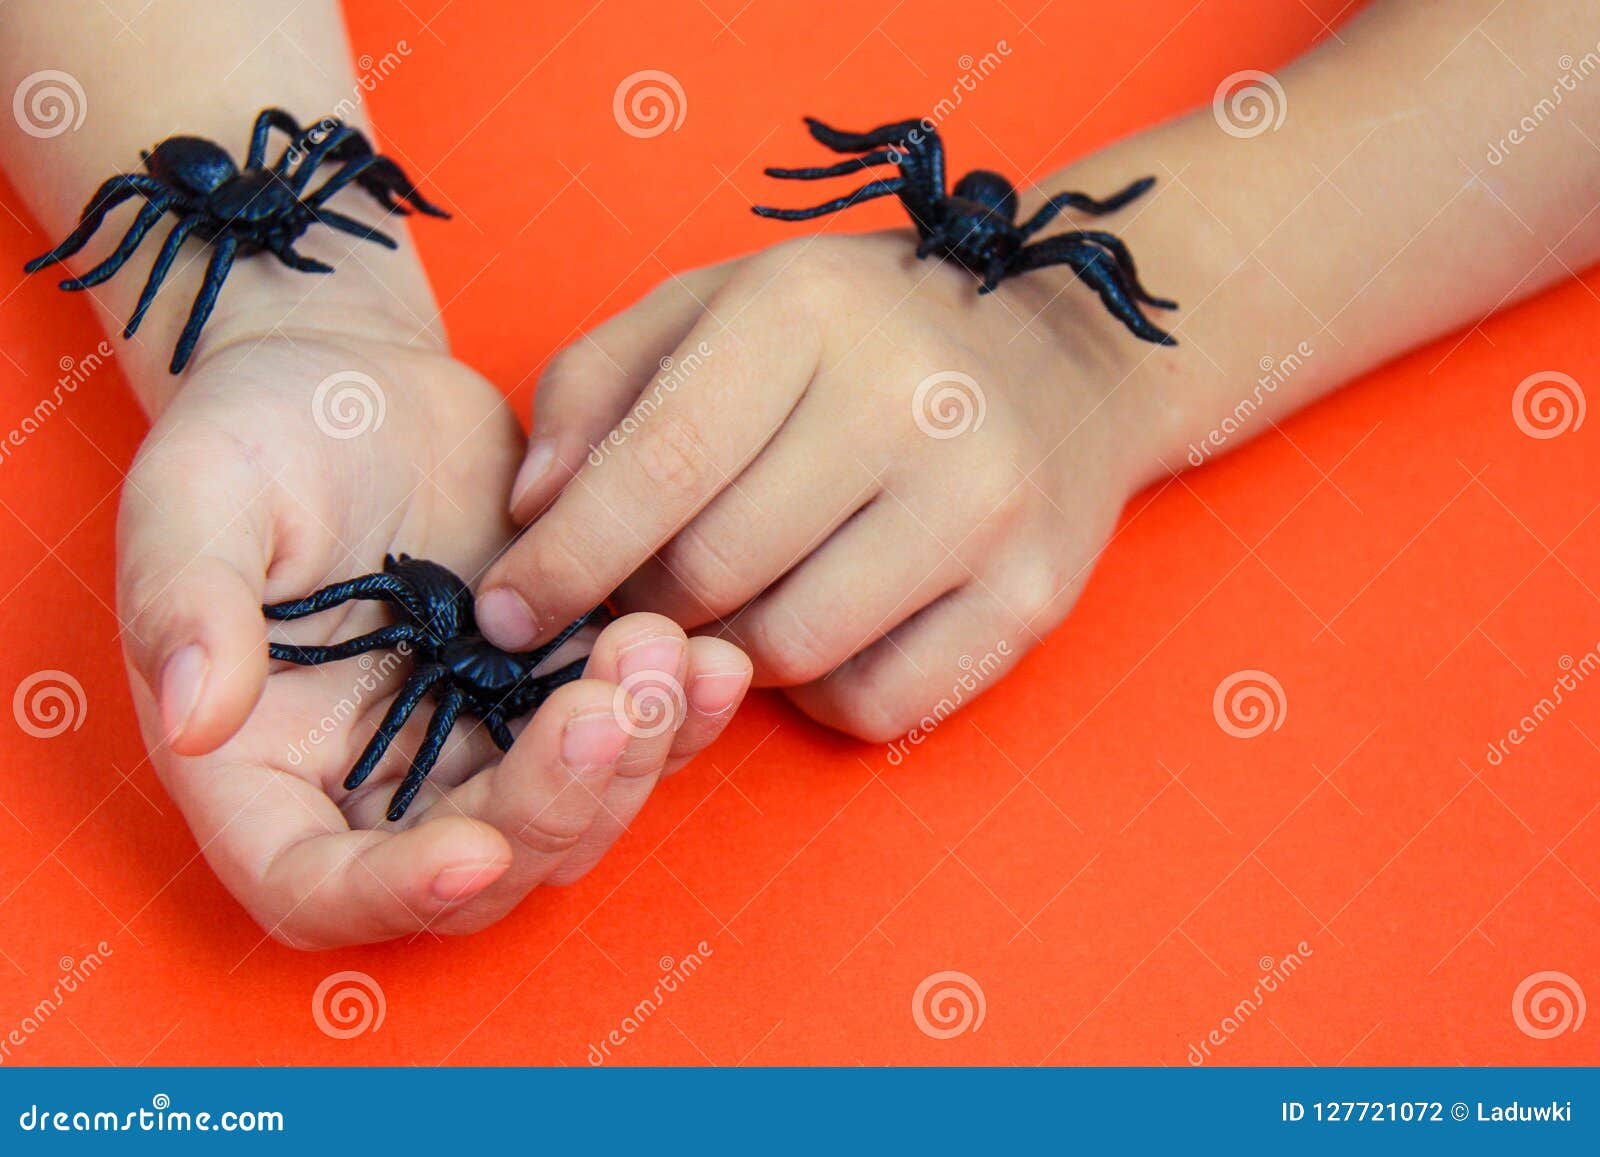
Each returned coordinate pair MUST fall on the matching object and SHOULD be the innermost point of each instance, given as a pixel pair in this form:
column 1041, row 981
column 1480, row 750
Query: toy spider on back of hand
column 238, row 212
column 465, row 672
column 976, row 223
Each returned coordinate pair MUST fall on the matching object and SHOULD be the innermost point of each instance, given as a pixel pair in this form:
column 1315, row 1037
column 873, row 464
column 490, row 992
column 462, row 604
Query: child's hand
column 251, row 488
column 871, row 476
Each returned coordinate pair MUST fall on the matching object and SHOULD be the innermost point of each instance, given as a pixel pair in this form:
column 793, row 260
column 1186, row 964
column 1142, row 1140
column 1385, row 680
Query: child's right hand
column 251, row 489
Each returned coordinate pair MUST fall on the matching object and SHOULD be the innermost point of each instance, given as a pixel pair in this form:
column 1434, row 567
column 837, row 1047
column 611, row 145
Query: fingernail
column 506, row 620
column 663, row 654
column 182, row 678
column 540, row 457
column 591, row 741
column 717, row 691
column 459, row 883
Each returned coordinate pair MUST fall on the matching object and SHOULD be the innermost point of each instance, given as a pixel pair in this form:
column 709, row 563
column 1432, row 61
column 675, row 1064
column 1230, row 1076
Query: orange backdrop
column 1109, row 867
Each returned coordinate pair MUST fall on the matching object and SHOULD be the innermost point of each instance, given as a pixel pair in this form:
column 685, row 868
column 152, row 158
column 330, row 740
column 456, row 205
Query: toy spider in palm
column 238, row 212
column 976, row 222
column 465, row 672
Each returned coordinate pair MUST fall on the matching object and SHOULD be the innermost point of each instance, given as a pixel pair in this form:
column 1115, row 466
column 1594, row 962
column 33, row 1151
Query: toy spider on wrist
column 466, row 673
column 237, row 212
column 976, row 222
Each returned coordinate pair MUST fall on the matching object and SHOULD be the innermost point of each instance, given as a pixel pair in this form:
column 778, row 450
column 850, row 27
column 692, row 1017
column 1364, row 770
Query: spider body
column 975, row 223
column 238, row 212
column 466, row 673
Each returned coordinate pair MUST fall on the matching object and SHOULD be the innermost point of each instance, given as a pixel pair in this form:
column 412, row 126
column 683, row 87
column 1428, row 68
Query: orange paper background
column 1086, row 843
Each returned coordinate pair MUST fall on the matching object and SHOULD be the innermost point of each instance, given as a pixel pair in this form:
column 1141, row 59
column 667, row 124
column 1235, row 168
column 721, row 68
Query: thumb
column 193, row 545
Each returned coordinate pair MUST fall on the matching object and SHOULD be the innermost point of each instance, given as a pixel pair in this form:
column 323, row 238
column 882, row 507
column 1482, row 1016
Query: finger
column 877, row 570
column 620, row 509
column 646, row 657
column 282, row 848
column 934, row 663
column 776, row 513
column 719, row 676
column 544, row 794
column 588, row 387
column 192, row 561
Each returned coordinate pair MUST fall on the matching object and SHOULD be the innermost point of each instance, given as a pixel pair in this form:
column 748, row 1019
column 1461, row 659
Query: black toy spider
column 465, row 672
column 238, row 212
column 976, row 223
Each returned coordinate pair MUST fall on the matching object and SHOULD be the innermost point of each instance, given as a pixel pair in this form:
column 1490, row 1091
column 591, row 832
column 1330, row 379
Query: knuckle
column 871, row 702
column 790, row 648
column 557, row 564
column 701, row 565
column 671, row 459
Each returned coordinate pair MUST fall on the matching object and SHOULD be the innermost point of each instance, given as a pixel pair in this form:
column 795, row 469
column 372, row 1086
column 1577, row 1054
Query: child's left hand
column 866, row 474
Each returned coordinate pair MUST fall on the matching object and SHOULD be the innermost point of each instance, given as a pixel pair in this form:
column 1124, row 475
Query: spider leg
column 840, row 141
column 417, row 684
column 1084, row 204
column 369, row 586
column 336, row 136
column 1099, row 271
column 158, row 271
column 111, row 194
column 439, row 727
column 378, row 640
column 541, row 654
column 353, row 227
column 227, row 247
column 344, row 176
column 298, row 261
column 1114, row 245
column 854, row 165
column 142, row 224
column 266, row 121
column 499, row 732
column 881, row 188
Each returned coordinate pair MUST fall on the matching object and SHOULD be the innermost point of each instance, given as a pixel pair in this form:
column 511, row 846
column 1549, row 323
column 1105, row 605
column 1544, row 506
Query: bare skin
column 784, row 495
column 238, row 496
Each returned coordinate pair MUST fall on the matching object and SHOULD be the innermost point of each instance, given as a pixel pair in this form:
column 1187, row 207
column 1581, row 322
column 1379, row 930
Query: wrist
column 378, row 296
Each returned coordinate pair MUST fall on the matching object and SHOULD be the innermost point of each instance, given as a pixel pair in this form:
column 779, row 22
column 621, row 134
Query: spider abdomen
column 191, row 163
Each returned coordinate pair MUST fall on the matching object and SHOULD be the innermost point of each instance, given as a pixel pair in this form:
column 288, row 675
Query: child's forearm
column 178, row 68
column 1372, row 220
